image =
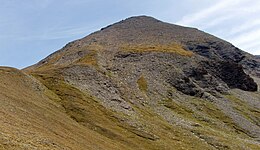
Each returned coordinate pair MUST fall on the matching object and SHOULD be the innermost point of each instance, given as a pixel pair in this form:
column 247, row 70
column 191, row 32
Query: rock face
column 147, row 84
column 134, row 37
column 225, row 51
column 232, row 74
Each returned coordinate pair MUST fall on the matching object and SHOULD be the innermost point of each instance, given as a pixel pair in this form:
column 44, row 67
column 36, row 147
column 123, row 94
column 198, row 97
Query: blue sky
column 32, row 29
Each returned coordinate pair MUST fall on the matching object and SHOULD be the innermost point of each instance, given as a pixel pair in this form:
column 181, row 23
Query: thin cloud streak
column 245, row 27
column 235, row 20
column 60, row 34
column 247, row 38
column 218, row 21
column 209, row 12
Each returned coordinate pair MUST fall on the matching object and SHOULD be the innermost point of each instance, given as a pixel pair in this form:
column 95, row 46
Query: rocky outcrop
column 230, row 73
column 220, row 50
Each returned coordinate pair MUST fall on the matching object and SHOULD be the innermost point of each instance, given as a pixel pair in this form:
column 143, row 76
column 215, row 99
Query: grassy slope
column 63, row 117
column 30, row 120
column 212, row 128
column 84, row 118
column 86, row 110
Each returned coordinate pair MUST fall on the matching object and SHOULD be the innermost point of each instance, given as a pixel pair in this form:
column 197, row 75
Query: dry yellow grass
column 89, row 59
column 86, row 110
column 53, row 61
column 30, row 120
column 169, row 48
column 63, row 117
column 142, row 83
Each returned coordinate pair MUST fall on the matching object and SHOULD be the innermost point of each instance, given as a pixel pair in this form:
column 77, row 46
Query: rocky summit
column 137, row 84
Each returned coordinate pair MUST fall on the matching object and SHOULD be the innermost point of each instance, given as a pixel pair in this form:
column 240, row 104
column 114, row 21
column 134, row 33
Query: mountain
column 137, row 84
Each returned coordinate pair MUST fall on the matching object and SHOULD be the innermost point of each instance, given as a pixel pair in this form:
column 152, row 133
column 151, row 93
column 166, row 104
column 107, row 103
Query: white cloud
column 239, row 21
column 244, row 27
column 217, row 21
column 55, row 33
column 247, row 38
column 218, row 8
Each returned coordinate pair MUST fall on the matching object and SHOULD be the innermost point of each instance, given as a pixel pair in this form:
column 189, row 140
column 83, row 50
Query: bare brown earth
column 137, row 84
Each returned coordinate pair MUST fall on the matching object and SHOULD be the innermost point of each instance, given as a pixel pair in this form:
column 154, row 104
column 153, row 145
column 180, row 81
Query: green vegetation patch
column 89, row 59
column 211, row 124
column 250, row 113
column 177, row 108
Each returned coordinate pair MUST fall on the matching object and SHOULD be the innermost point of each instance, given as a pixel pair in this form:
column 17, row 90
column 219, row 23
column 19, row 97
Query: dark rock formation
column 232, row 74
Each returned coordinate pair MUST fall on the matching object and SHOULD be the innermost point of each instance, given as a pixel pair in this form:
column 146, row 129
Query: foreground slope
column 146, row 84
column 30, row 119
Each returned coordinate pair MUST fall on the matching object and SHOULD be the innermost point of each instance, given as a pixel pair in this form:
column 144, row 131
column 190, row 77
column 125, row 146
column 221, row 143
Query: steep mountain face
column 145, row 35
column 146, row 84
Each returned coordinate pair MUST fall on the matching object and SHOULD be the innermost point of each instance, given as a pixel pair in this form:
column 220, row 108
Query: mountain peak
column 138, row 84
column 146, row 29
column 142, row 18
column 135, row 21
